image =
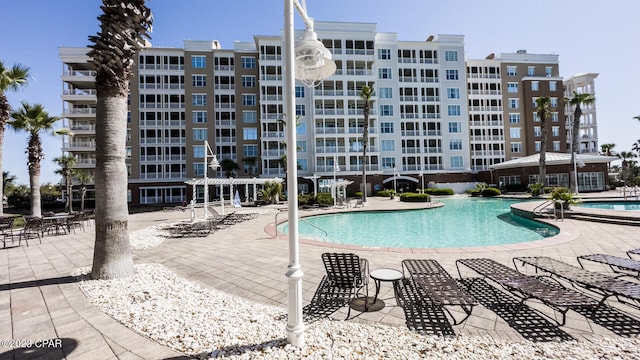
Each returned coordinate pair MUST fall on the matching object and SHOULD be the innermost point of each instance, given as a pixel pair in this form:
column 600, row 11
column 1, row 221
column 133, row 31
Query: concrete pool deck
column 39, row 299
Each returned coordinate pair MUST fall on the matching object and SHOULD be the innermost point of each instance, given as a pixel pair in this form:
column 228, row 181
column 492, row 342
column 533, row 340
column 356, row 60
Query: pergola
column 231, row 182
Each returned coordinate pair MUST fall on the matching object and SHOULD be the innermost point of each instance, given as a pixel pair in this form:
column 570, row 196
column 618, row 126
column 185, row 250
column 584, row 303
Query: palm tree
column 84, row 178
column 34, row 119
column 124, row 25
column 365, row 94
column 636, row 147
column 7, row 180
column 627, row 163
column 543, row 110
column 577, row 100
column 66, row 164
column 10, row 79
column 229, row 167
column 607, row 149
column 250, row 162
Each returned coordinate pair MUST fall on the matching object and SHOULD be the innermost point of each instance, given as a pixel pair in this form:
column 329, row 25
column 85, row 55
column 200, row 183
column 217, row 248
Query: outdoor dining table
column 58, row 222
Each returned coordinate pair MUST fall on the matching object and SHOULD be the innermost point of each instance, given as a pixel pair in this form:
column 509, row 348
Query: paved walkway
column 39, row 299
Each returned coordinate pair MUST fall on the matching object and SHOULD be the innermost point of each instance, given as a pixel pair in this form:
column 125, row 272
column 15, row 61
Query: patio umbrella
column 236, row 200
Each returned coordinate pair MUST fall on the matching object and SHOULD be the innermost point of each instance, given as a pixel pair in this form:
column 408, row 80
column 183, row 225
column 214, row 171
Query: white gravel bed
column 206, row 323
column 149, row 237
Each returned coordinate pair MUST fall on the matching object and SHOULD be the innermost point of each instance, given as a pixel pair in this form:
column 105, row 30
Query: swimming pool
column 612, row 205
column 461, row 222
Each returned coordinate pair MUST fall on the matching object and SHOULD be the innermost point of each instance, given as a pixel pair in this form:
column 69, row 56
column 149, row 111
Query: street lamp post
column 335, row 184
column 310, row 62
column 395, row 188
column 214, row 165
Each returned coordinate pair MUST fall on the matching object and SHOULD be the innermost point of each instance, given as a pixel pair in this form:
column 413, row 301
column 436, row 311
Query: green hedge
column 489, row 192
column 413, row 197
column 325, row 199
column 384, row 193
column 439, row 191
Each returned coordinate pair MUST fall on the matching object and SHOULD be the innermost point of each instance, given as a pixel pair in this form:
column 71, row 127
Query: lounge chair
column 599, row 283
column 441, row 288
column 619, row 265
column 347, row 275
column 633, row 252
column 528, row 287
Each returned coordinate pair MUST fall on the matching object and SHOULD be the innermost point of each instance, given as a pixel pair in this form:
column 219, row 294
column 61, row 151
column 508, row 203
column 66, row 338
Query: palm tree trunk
column 574, row 148
column 34, row 181
column 112, row 253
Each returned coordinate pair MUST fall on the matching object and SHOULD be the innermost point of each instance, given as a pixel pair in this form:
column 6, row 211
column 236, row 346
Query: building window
column 198, row 151
column 199, row 117
column 556, row 146
column 451, row 74
column 455, row 144
column 516, row 147
column 537, row 131
column 455, row 127
column 386, row 110
column 384, row 73
column 512, row 71
column 510, row 180
column 299, row 91
column 199, row 134
column 301, row 146
column 248, row 81
column 388, row 162
column 553, row 102
column 537, row 146
column 385, row 93
column 536, row 117
column 300, row 110
column 456, row 162
column 535, row 85
column 512, row 87
column 514, row 133
column 553, row 86
column 453, row 93
column 198, row 61
column 301, row 129
column 453, row 110
column 249, row 133
column 248, row 62
column 451, row 55
column 555, row 131
column 199, row 80
column 250, row 150
column 386, row 128
column 531, row 70
column 249, row 99
column 388, row 145
column 249, row 117
column 514, row 103
column 198, row 169
column 302, row 164
column 199, row 99
column 548, row 71
column 514, row 118
column 384, row 54
column 554, row 116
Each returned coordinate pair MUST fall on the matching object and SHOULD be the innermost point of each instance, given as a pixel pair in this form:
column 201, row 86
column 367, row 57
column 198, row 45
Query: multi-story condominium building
column 583, row 83
column 432, row 113
column 503, row 120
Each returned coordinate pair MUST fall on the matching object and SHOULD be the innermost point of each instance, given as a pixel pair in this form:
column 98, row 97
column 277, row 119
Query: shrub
column 563, row 194
column 475, row 193
column 324, row 199
column 306, row 199
column 535, row 189
column 413, row 197
column 439, row 191
column 490, row 192
column 384, row 193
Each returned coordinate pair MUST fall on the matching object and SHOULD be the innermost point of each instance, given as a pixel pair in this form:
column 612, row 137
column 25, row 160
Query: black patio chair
column 527, row 287
column 347, row 275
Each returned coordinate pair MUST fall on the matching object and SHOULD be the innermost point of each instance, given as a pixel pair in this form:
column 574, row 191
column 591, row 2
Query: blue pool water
column 612, row 205
column 461, row 222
